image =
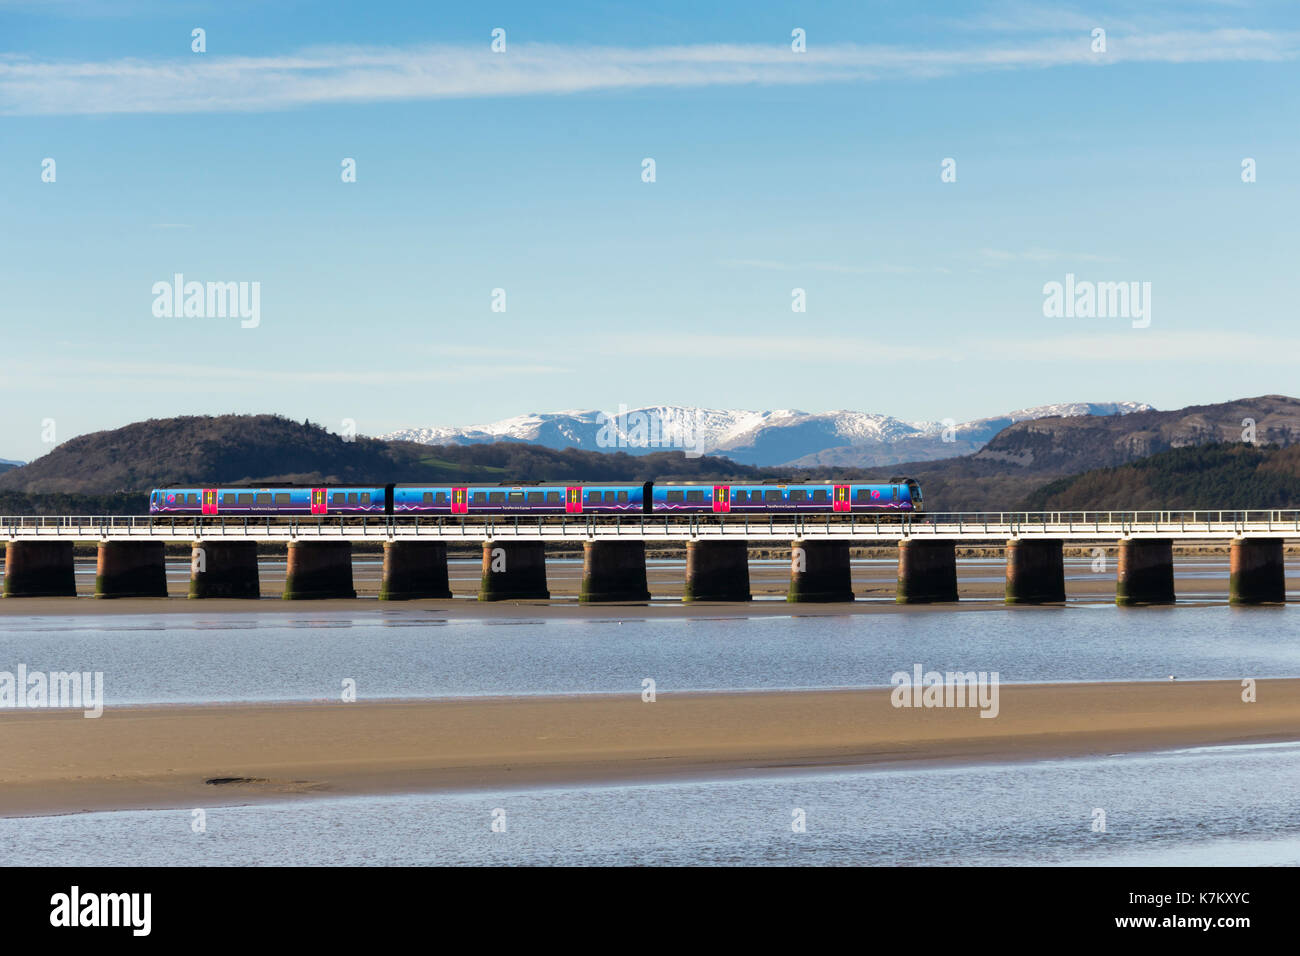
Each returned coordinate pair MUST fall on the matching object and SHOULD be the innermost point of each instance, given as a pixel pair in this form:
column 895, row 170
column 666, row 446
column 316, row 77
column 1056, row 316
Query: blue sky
column 521, row 170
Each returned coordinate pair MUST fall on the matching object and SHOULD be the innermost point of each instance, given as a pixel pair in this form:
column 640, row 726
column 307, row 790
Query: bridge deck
column 863, row 529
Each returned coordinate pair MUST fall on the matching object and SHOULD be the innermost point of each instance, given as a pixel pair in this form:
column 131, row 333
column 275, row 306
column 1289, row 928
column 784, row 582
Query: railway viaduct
column 39, row 553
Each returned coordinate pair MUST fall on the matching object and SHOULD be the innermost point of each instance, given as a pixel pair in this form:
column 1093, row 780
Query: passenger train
column 897, row 495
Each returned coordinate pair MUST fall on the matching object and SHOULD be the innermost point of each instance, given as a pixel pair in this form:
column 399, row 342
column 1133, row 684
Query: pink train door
column 318, row 506
column 209, row 501
column 722, row 499
column 460, row 501
column 842, row 502
column 573, row 500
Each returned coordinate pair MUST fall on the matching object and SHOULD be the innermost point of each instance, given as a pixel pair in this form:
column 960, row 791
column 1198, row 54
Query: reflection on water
column 1213, row 806
column 271, row 656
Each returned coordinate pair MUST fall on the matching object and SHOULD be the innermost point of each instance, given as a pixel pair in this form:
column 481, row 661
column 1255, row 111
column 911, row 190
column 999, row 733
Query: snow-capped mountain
column 778, row 437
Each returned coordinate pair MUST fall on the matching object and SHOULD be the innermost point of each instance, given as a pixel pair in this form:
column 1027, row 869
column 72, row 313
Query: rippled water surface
column 1211, row 806
column 174, row 658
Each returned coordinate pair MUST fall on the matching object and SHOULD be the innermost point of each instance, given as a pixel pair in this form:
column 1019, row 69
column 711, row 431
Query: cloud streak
column 210, row 83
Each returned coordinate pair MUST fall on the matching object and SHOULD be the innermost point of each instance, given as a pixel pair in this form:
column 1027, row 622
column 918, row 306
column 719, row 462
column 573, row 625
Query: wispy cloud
column 1066, row 343
column 772, row 265
column 147, row 376
column 212, row 83
column 1005, row 256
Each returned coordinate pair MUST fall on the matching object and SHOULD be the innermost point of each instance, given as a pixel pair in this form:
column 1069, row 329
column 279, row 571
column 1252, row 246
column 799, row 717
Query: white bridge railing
column 971, row 526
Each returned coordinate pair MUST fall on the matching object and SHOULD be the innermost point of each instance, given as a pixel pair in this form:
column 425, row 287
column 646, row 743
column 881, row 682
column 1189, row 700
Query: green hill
column 1205, row 477
column 111, row 472
column 262, row 449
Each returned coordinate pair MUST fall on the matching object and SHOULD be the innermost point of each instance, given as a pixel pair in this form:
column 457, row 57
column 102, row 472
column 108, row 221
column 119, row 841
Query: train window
column 696, row 495
column 593, row 497
column 496, row 497
column 282, row 497
column 610, row 497
column 552, row 497
column 365, row 497
column 428, row 497
column 440, row 498
column 536, row 497
column 860, row 495
column 246, row 498
column 798, row 494
column 739, row 496
column 479, row 497
column 192, row 499
column 622, row 497
column 338, row 498
column 516, row 496
column 820, row 494
column 263, row 497
column 772, row 496
column 675, row 496
column 228, row 499
column 895, row 492
column 352, row 497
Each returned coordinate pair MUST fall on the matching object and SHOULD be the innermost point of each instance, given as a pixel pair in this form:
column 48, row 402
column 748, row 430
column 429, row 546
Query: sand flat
column 164, row 756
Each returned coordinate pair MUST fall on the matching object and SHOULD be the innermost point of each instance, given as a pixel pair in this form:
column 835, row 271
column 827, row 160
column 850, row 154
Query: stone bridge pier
column 1256, row 571
column 927, row 571
column 820, row 571
column 318, row 570
column 224, row 569
column 717, row 571
column 129, row 569
column 1145, row 573
column 1035, row 571
column 513, row 571
column 39, row 569
column 613, row 571
column 414, row 570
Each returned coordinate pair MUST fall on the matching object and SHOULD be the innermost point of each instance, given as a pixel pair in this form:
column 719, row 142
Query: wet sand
column 188, row 756
column 981, row 584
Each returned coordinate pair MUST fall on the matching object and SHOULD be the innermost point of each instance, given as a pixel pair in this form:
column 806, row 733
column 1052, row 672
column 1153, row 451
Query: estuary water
column 1214, row 805
column 267, row 656
column 1236, row 805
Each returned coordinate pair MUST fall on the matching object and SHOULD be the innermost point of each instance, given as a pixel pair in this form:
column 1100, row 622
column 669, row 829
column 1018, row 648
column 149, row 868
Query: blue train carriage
column 550, row 499
column 898, row 495
column 522, row 499
column 284, row 500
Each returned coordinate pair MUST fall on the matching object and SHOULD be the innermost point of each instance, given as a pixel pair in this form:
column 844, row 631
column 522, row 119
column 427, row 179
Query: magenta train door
column 722, row 499
column 842, row 502
column 318, row 506
column 460, row 501
column 209, row 501
column 573, row 500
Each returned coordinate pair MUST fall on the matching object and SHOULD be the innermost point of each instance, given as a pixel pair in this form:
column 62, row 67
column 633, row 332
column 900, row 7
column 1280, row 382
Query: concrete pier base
column 129, row 569
column 224, row 569
column 1145, row 574
column 1035, row 572
column 717, row 571
column 819, row 572
column 513, row 571
column 1256, row 571
column 319, row 570
column 39, row 569
column 927, row 571
column 613, row 571
column 414, row 570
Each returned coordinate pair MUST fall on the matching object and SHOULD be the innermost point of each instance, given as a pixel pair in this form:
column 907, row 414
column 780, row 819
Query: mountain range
column 1005, row 473
column 778, row 438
